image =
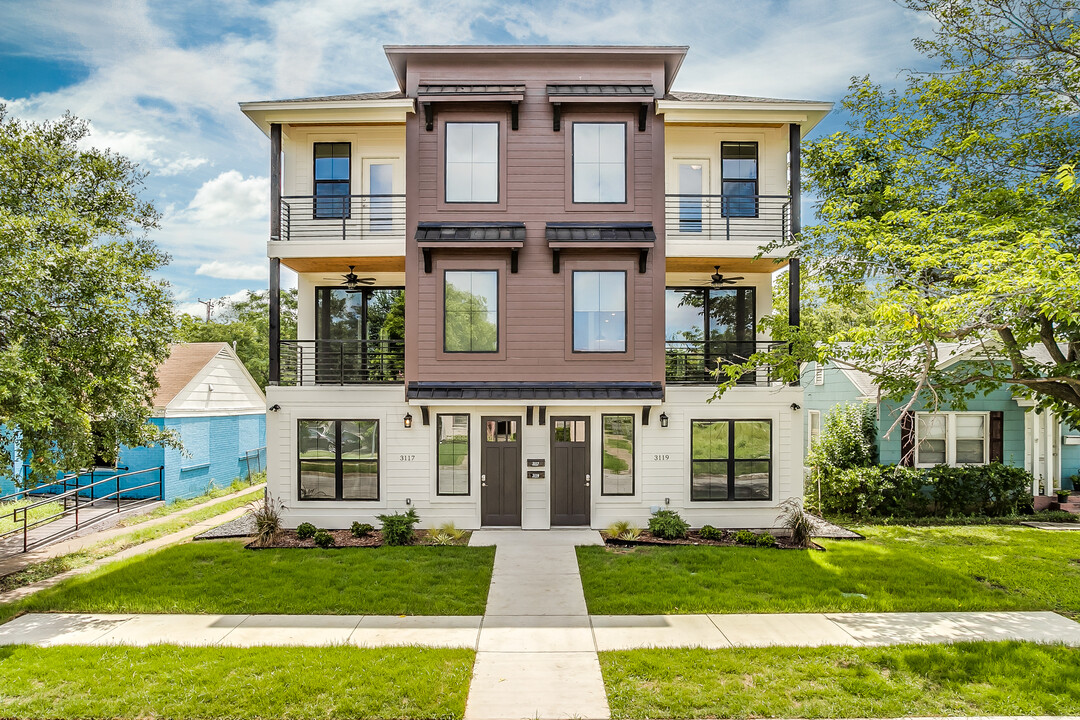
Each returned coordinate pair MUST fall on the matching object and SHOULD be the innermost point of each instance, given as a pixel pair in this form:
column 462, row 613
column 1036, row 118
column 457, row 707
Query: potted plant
column 1063, row 495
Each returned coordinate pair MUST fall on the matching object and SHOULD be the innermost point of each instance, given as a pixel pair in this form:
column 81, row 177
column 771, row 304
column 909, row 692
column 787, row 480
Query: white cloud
column 198, row 308
column 230, row 197
column 233, row 271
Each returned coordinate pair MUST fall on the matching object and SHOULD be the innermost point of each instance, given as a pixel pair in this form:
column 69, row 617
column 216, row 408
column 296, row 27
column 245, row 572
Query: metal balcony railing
column 342, row 362
column 728, row 218
column 342, row 217
column 696, row 362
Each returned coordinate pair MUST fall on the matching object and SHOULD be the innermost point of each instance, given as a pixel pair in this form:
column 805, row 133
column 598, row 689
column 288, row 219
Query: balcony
column 704, row 221
column 344, row 218
column 697, row 362
column 342, row 362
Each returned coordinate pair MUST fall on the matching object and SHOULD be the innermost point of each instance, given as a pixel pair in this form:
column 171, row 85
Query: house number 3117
column 406, row 458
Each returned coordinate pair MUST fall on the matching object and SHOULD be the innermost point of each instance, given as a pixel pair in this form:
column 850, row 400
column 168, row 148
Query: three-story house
column 517, row 275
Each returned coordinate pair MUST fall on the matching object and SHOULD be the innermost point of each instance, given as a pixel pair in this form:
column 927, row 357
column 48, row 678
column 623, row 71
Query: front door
column 571, row 495
column 500, row 472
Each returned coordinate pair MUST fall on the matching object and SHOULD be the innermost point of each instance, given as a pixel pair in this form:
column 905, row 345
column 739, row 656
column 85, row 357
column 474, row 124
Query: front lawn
column 190, row 683
column 895, row 568
column 1005, row 678
column 226, row 578
column 7, row 522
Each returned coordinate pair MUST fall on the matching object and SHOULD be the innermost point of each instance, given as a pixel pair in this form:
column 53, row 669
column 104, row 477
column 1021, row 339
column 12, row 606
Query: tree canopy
column 83, row 323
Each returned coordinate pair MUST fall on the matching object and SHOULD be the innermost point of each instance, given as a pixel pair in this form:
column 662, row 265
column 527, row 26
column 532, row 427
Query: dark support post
column 275, row 263
column 795, row 145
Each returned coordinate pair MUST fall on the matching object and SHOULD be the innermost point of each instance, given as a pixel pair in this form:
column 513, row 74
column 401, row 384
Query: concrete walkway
column 93, row 516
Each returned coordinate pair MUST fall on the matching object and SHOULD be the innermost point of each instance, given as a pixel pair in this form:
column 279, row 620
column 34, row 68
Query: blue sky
column 160, row 81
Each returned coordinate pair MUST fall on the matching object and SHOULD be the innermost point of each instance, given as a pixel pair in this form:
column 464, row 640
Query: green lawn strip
column 226, row 578
column 177, row 506
column 1003, row 678
column 896, row 568
column 7, row 523
column 106, row 548
column 164, row 681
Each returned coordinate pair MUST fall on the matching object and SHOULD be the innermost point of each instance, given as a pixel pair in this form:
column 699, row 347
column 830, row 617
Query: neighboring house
column 206, row 395
column 516, row 272
column 995, row 426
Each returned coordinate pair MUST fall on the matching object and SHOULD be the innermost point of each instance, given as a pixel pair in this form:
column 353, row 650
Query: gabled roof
column 205, row 379
column 684, row 96
column 380, row 95
column 185, row 361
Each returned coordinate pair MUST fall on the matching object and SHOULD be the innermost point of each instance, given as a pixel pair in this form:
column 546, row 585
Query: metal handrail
column 74, row 494
column 37, row 488
column 739, row 218
column 700, row 362
column 342, row 217
column 342, row 362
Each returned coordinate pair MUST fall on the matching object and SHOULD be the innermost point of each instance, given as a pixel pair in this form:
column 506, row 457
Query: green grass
column 896, row 568
column 7, row 524
column 225, row 577
column 190, row 683
column 106, row 548
column 177, row 506
column 922, row 680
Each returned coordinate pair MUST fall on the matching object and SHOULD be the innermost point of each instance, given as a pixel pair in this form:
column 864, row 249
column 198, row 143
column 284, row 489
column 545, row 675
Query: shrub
column 631, row 533
column 361, row 530
column 708, row 532
column 795, row 518
column 668, row 525
column 305, row 531
column 745, row 537
column 324, row 539
column 765, row 540
column 453, row 532
column 267, row 517
column 993, row 489
column 617, row 528
column 440, row 538
column 397, row 529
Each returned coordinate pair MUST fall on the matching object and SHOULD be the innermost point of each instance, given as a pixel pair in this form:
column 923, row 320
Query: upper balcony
column 354, row 226
column 724, row 225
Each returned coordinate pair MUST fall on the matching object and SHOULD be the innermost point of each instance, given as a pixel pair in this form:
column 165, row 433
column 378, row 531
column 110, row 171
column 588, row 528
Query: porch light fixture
column 795, row 407
column 663, row 420
column 408, row 420
column 274, row 408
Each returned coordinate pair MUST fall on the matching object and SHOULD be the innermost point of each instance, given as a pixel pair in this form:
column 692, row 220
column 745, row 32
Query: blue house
column 995, row 426
column 206, row 395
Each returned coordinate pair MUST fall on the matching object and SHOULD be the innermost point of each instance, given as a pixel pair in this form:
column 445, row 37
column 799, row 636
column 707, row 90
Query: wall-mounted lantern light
column 274, row 408
column 663, row 420
column 795, row 407
column 408, row 420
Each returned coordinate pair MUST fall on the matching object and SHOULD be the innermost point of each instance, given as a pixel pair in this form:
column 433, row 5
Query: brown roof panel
column 476, row 232
column 470, row 89
column 185, row 361
column 600, row 233
column 603, row 90
column 535, row 391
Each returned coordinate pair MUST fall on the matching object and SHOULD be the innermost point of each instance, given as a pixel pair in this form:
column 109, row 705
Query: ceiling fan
column 718, row 279
column 353, row 282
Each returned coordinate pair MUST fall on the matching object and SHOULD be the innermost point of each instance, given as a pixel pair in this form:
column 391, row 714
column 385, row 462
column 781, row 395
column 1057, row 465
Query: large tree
column 83, row 324
column 944, row 199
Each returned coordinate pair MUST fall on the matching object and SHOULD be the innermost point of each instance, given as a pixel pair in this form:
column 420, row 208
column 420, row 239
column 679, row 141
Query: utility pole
column 210, row 305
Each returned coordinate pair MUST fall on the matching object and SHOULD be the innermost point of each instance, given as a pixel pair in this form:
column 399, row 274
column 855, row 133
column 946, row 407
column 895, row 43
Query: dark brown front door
column 500, row 471
column 571, row 496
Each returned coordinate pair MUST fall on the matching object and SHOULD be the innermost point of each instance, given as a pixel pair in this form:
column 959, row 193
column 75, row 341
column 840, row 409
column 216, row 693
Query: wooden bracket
column 645, row 410
column 513, row 260
column 528, row 414
column 424, row 415
column 555, row 261
column 643, row 112
column 427, row 260
column 543, row 415
column 513, row 116
column 643, row 260
column 429, row 117
column 556, row 116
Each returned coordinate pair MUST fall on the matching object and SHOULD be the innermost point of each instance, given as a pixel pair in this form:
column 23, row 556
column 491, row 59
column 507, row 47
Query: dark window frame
column 498, row 162
column 339, row 462
column 626, row 313
column 633, row 455
column 468, row 455
column 498, row 312
column 707, row 315
column 315, row 181
column 731, row 460
column 724, row 212
column 322, row 316
column 626, row 163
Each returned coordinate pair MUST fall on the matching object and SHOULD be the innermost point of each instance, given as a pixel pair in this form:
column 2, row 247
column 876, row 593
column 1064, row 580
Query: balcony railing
column 728, row 218
column 342, row 217
column 699, row 363
column 342, row 362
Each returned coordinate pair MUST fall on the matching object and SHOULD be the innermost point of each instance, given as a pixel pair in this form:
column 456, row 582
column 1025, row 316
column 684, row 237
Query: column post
column 794, row 279
column 275, row 263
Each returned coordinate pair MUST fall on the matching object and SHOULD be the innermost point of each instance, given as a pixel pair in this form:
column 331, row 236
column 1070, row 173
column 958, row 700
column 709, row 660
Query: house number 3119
column 661, row 458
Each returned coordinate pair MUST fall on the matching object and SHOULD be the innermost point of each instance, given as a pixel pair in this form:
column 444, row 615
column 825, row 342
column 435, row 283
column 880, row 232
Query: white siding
column 223, row 387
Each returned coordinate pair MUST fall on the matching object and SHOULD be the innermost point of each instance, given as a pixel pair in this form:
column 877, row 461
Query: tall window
column 739, row 170
column 338, row 459
column 472, row 162
column 691, row 188
column 471, row 302
column 618, row 477
column 381, row 204
column 600, row 311
column 951, row 439
column 599, row 162
column 730, row 460
column 452, row 432
column 706, row 327
column 332, row 180
column 360, row 335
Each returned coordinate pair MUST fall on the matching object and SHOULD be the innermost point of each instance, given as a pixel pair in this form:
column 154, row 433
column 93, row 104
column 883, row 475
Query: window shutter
column 997, row 436
column 907, row 439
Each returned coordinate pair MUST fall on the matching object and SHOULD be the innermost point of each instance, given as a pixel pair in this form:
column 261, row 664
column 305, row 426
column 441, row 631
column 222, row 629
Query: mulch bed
column 694, row 538
column 345, row 539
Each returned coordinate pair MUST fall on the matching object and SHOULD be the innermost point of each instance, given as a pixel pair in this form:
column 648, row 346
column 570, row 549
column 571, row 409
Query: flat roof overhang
column 391, row 111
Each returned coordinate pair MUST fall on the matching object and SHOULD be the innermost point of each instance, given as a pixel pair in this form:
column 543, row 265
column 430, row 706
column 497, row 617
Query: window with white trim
column 813, row 428
column 952, row 438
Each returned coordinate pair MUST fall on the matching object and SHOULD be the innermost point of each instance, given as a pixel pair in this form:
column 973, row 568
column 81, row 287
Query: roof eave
column 263, row 113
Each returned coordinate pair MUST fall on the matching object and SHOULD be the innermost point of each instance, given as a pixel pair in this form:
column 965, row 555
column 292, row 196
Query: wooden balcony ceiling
column 339, row 264
column 727, row 265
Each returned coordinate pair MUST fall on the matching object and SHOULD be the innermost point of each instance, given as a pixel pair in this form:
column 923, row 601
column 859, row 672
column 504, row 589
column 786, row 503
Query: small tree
column 843, row 462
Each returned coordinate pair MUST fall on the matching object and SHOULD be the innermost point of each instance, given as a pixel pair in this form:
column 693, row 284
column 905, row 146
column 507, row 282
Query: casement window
column 813, row 428
column 332, row 179
column 618, row 473
column 739, row 176
column 472, row 162
column 599, row 162
column 338, row 459
column 599, row 311
column 452, row 449
column 730, row 460
column 471, row 311
column 952, row 438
